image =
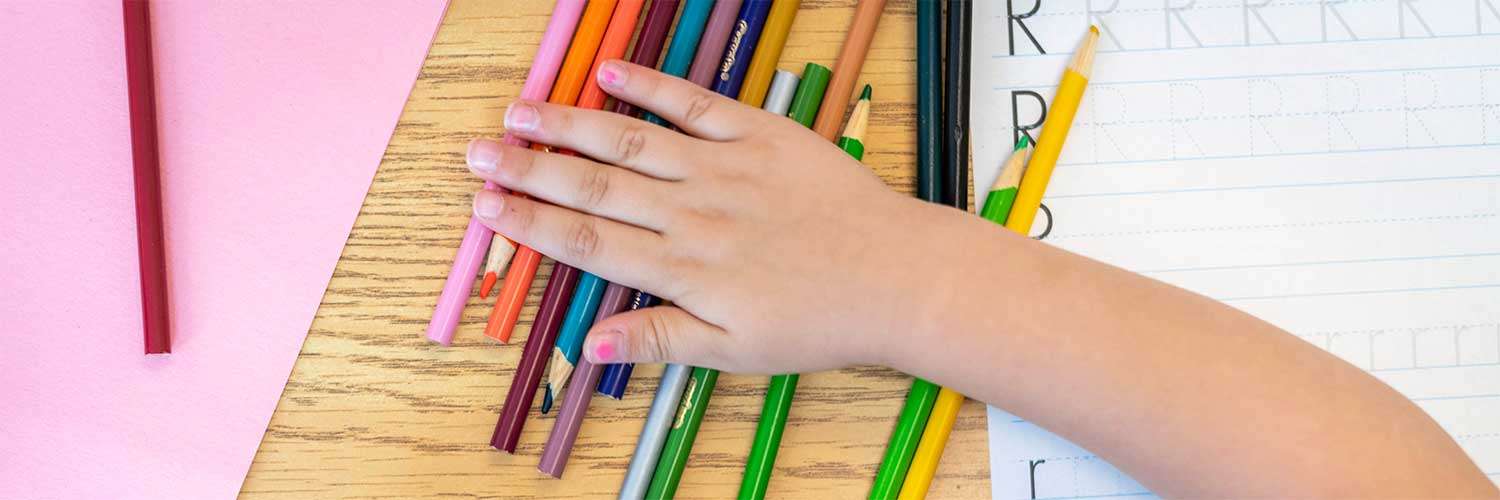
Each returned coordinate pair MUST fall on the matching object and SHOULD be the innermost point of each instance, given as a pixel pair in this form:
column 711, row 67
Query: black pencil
column 956, row 105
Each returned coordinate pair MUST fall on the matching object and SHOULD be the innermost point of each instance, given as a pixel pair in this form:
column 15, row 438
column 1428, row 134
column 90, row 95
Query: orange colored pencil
column 846, row 69
column 570, row 81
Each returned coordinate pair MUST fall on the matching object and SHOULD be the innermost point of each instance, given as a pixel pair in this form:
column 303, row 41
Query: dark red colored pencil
column 153, row 261
column 649, row 42
column 534, row 357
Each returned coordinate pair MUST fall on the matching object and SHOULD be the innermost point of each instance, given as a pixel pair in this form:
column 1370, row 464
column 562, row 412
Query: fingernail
column 612, row 74
column 487, row 204
column 484, row 155
column 522, row 117
column 605, row 346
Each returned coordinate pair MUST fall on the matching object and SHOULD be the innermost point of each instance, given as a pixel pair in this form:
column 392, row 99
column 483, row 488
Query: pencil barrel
column 1048, row 149
column 904, row 440
column 768, row 433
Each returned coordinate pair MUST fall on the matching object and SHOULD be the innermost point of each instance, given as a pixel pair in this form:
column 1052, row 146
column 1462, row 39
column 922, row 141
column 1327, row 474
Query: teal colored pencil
column 684, row 43
column 576, row 323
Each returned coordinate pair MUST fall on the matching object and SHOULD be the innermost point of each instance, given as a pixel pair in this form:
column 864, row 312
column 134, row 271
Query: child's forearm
column 1188, row 395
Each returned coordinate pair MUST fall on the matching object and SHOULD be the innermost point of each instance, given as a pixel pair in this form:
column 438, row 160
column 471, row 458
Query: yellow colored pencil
column 763, row 63
column 1054, row 131
column 930, row 449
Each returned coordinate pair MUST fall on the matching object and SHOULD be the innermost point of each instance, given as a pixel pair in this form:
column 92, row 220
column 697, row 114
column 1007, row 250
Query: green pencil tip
column 865, row 94
column 1021, row 144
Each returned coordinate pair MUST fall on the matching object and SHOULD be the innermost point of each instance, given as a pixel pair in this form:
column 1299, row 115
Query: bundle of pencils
column 927, row 419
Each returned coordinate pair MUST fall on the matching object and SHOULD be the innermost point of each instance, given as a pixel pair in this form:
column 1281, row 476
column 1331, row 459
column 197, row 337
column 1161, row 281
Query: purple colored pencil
column 578, row 394
column 534, row 358
column 649, row 42
column 711, row 46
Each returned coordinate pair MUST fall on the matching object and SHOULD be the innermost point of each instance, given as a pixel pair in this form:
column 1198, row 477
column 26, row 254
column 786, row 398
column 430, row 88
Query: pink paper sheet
column 274, row 117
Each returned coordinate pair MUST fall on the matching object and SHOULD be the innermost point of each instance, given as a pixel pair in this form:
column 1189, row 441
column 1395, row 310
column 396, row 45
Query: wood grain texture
column 374, row 410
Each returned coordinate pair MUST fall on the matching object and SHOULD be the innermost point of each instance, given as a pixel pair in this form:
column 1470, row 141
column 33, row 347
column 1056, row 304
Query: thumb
column 658, row 334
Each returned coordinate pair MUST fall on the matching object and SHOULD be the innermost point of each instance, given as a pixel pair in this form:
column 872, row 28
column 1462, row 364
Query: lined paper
column 1330, row 166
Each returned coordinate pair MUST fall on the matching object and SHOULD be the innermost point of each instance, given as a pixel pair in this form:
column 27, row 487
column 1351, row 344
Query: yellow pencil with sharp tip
column 1054, row 131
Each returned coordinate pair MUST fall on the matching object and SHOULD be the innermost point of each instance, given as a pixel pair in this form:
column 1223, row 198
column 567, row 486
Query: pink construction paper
column 274, row 116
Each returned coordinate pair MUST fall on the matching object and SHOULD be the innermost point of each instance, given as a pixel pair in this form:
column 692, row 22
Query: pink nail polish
column 522, row 117
column 611, row 75
column 487, row 204
column 604, row 348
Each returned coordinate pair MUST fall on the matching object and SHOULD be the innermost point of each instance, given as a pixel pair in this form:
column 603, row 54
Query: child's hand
column 750, row 223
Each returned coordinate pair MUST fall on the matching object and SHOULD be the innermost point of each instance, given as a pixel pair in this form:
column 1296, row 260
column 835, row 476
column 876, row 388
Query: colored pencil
column 575, row 327
column 778, row 99
column 495, row 263
column 528, row 374
column 1054, row 132
column 679, row 443
column 853, row 139
column 846, row 70
column 804, row 108
column 477, row 237
column 648, row 44
column 934, row 437
column 711, row 44
column 956, row 105
column 659, row 421
column 616, row 376
column 565, row 90
column 140, row 76
column 772, row 40
column 674, row 378
column 680, row 56
column 929, row 99
column 1002, row 194
column 741, row 49
column 945, row 409
column 576, row 400
column 779, row 394
column 904, row 439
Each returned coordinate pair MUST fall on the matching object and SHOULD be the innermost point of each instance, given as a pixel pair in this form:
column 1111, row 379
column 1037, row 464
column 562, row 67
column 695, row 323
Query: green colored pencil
column 1003, row 193
column 809, row 94
column 679, row 445
column 904, row 439
column 779, row 393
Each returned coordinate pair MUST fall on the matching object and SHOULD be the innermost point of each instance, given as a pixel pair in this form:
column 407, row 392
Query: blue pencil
column 575, row 326
column 741, row 48
column 616, row 376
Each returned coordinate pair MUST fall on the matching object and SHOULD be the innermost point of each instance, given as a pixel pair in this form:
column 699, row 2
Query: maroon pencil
column 576, row 401
column 534, row 357
column 148, row 225
column 649, row 42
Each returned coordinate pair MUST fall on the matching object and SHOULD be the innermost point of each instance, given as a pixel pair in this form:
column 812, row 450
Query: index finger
column 693, row 109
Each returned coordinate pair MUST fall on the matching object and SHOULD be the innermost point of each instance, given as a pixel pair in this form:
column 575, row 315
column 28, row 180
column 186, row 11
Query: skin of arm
column 781, row 254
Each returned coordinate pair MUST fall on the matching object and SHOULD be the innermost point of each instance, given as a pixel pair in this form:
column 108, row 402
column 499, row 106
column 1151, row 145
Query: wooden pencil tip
column 1094, row 30
column 864, row 95
column 547, row 399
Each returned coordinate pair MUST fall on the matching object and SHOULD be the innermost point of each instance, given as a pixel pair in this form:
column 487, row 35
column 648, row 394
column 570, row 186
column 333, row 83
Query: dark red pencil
column 153, row 261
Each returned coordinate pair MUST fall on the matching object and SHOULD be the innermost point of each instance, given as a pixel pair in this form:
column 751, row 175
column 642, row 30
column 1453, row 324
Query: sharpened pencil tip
column 864, row 95
column 488, row 285
column 547, row 399
column 1021, row 144
column 1093, row 29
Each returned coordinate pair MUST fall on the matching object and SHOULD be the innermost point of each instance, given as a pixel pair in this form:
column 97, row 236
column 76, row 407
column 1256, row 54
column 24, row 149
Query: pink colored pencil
column 460, row 284
column 711, row 45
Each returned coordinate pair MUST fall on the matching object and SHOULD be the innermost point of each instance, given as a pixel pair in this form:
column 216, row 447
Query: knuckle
column 583, row 241
column 632, row 139
column 698, row 105
column 658, row 337
column 520, row 168
column 592, row 188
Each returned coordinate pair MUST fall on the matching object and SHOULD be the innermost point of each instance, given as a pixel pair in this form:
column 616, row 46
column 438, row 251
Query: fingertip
column 606, row 346
column 483, row 155
column 487, row 204
column 612, row 74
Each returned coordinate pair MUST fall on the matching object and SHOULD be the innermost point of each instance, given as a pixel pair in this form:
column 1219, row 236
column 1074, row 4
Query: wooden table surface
column 374, row 410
